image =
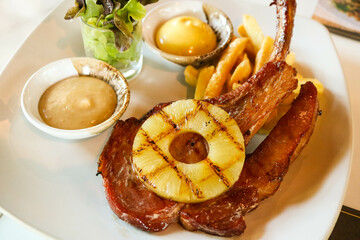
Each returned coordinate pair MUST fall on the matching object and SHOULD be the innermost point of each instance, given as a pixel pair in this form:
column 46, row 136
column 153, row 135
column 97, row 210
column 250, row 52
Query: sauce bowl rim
column 30, row 96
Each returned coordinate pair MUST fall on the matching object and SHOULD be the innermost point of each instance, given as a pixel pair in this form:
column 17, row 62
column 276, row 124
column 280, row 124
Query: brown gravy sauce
column 77, row 102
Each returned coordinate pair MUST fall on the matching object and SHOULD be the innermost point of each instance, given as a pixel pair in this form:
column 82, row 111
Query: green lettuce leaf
column 120, row 13
column 75, row 11
column 92, row 9
column 133, row 10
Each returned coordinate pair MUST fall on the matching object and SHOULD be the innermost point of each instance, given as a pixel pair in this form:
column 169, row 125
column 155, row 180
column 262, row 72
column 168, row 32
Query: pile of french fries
column 241, row 59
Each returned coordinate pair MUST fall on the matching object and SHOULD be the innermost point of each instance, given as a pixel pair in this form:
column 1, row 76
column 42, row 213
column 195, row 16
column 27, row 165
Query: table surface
column 19, row 18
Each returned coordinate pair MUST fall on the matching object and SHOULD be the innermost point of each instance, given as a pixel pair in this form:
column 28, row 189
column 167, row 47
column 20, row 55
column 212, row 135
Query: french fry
column 290, row 58
column 302, row 80
column 224, row 67
column 274, row 117
column 203, row 80
column 191, row 75
column 253, row 30
column 319, row 86
column 270, row 123
column 289, row 99
column 241, row 72
column 242, row 58
column 264, row 53
column 250, row 49
column 242, row 31
column 235, row 85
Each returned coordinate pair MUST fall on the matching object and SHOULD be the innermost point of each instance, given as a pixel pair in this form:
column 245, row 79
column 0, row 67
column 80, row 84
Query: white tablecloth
column 19, row 18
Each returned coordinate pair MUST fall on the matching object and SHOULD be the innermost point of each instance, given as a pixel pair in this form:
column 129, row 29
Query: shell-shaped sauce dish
column 69, row 67
column 209, row 14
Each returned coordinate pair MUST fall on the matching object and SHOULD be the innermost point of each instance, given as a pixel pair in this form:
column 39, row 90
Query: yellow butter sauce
column 186, row 36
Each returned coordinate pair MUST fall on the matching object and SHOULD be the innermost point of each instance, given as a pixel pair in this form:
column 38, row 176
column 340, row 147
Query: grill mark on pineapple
column 139, row 150
column 221, row 127
column 151, row 143
column 217, row 170
column 175, row 126
column 168, row 119
column 190, row 115
column 165, row 133
column 143, row 176
column 158, row 170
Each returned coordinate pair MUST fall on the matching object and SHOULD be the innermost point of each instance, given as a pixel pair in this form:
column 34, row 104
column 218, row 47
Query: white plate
column 50, row 184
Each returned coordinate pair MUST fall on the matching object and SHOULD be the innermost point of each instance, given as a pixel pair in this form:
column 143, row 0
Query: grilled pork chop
column 250, row 105
column 131, row 200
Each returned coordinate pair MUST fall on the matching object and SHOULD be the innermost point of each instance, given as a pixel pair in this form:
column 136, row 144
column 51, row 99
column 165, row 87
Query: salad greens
column 111, row 29
column 110, row 13
column 103, row 45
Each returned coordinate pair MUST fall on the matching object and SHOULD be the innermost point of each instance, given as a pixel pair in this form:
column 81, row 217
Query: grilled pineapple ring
column 183, row 182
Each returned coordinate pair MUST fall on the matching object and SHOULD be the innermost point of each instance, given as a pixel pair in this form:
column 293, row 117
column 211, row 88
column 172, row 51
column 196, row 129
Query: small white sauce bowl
column 217, row 19
column 68, row 67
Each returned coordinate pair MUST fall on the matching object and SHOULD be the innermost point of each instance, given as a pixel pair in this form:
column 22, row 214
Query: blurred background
column 17, row 20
